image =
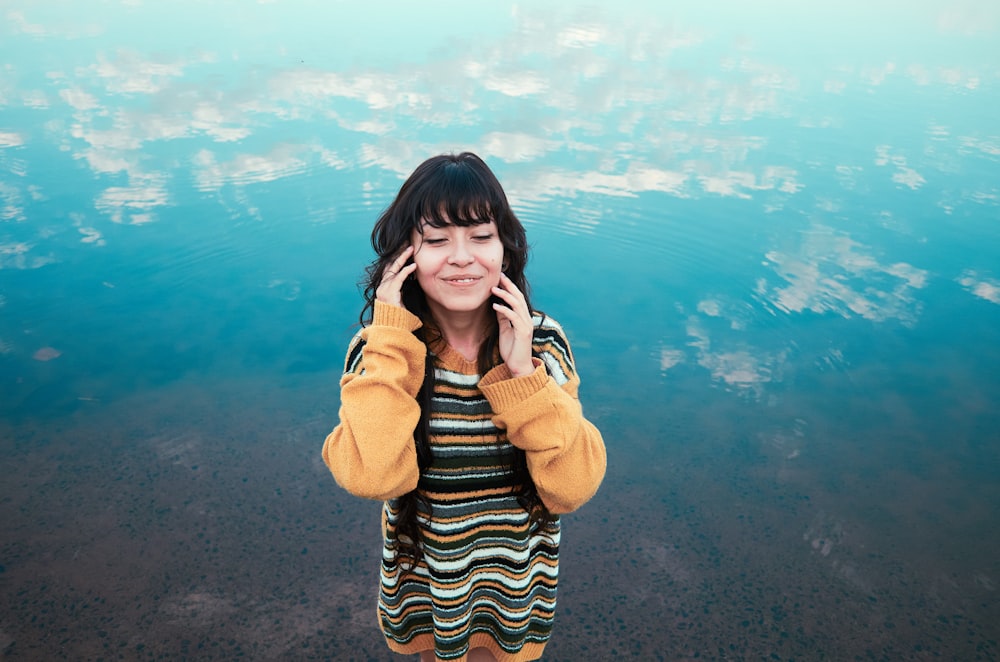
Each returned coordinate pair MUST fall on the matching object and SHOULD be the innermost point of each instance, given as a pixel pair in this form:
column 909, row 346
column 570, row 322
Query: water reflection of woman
column 459, row 410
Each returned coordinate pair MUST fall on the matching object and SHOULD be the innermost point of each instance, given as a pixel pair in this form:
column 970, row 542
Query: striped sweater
column 487, row 578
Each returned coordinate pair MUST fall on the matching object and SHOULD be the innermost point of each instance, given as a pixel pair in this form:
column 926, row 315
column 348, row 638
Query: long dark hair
column 445, row 190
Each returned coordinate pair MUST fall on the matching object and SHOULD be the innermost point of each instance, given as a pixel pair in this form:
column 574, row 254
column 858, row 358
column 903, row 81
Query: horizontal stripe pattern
column 484, row 569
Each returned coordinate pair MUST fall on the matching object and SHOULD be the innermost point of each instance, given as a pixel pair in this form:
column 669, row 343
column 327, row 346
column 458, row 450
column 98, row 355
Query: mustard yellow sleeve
column 565, row 452
column 371, row 452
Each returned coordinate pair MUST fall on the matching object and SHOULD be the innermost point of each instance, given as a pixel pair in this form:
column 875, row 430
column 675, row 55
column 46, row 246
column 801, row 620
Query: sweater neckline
column 451, row 358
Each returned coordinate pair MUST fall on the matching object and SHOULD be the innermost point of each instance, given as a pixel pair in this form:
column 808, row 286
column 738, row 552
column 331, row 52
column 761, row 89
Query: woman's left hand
column 516, row 328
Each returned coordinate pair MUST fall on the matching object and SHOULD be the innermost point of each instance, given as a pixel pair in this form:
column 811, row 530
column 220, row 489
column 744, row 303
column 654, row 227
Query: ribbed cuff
column 503, row 390
column 386, row 314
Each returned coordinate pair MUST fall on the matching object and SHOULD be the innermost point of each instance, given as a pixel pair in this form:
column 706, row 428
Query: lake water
column 773, row 235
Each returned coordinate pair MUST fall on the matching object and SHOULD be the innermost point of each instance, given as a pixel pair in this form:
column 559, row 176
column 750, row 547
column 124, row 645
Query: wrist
column 523, row 369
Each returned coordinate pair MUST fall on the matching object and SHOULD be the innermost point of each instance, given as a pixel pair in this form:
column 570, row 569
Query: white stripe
column 555, row 368
column 517, row 588
column 455, row 378
column 518, row 556
column 473, row 450
column 458, row 477
column 481, row 424
column 503, row 520
column 512, row 614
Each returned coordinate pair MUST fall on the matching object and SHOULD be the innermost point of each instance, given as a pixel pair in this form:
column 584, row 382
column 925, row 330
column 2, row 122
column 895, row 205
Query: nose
column 460, row 253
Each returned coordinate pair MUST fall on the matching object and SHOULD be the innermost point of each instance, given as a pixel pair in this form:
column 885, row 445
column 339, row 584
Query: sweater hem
column 425, row 642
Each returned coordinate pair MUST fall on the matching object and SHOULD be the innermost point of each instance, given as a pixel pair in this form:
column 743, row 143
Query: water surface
column 771, row 233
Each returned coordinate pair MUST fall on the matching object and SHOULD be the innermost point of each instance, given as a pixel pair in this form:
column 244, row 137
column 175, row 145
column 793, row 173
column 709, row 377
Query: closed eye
column 434, row 242
column 483, row 237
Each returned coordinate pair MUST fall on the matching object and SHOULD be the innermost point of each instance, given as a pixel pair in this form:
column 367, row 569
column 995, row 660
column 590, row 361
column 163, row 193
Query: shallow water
column 772, row 236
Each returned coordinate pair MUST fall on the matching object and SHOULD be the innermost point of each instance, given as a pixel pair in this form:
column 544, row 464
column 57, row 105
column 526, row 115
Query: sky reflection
column 656, row 84
column 768, row 108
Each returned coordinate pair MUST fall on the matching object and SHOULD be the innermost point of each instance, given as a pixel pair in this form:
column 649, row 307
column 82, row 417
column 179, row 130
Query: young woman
column 459, row 410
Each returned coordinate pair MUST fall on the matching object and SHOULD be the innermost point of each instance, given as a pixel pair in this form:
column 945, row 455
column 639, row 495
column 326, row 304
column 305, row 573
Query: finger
column 502, row 311
column 509, row 284
column 404, row 254
column 505, row 314
column 407, row 270
column 508, row 288
column 503, row 320
column 514, row 299
column 401, row 259
column 399, row 266
column 509, row 297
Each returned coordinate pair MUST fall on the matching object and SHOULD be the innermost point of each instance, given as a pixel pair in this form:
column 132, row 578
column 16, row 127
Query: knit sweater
column 488, row 576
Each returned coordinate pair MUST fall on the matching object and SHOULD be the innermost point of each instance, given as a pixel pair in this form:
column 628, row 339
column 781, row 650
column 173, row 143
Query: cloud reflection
column 904, row 175
column 10, row 139
column 737, row 184
column 132, row 205
column 11, row 203
column 78, row 99
column 514, row 147
column 738, row 367
column 18, row 23
column 984, row 288
column 586, row 65
column 988, row 146
column 283, row 160
column 670, row 357
column 577, row 103
column 296, row 91
column 90, row 235
column 128, row 72
column 636, row 179
column 18, row 255
column 731, row 361
column 830, row 272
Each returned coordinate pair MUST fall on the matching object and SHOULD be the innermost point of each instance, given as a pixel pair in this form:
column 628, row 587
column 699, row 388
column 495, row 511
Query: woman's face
column 457, row 267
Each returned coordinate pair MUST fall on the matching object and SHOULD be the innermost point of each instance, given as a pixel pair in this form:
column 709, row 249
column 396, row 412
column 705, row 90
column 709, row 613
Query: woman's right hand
column 390, row 288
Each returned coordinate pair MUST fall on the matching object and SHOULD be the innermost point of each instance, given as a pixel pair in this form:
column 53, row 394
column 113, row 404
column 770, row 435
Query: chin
column 468, row 306
column 471, row 308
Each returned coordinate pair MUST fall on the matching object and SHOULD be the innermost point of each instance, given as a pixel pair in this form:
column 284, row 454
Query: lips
column 462, row 279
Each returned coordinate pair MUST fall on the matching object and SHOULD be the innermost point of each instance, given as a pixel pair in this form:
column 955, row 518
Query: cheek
column 496, row 267
column 426, row 261
column 425, row 269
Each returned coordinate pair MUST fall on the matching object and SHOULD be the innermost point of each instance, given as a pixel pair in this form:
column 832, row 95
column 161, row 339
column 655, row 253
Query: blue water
column 772, row 233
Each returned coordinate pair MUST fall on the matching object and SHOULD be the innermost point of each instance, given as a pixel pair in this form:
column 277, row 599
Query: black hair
column 450, row 189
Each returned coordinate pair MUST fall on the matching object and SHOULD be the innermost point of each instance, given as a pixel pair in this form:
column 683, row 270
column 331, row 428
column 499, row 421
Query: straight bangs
column 454, row 196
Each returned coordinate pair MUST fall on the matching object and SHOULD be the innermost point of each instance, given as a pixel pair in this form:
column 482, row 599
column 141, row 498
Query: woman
column 459, row 410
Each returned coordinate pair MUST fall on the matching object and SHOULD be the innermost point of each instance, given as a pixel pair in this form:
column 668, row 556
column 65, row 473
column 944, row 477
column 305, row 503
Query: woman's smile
column 463, row 280
column 457, row 266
